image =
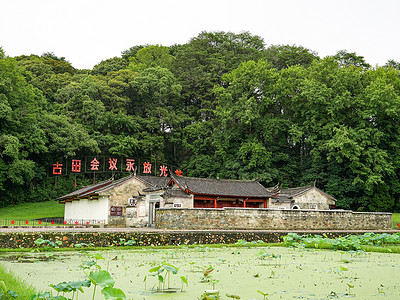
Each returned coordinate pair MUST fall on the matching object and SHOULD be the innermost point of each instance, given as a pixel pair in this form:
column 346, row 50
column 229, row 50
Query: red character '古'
column 57, row 169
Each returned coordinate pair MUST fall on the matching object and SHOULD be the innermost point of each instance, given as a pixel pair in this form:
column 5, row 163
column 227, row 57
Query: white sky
column 86, row 32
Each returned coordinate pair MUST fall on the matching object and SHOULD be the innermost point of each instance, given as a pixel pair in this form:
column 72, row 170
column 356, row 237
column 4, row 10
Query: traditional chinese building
column 132, row 201
column 215, row 193
column 306, row 197
column 111, row 202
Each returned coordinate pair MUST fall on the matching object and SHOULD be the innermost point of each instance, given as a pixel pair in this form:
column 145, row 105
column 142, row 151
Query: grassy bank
column 15, row 284
column 33, row 210
column 396, row 219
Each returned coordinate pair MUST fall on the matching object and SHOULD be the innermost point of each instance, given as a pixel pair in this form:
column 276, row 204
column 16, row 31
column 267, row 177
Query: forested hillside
column 223, row 105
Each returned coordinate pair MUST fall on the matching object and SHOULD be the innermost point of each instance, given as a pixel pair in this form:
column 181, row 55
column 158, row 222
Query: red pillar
column 215, row 203
column 265, row 203
column 244, row 203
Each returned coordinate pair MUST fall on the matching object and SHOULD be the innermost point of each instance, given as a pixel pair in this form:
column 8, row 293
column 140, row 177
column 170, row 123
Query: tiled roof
column 293, row 192
column 221, row 187
column 86, row 189
column 154, row 181
column 151, row 181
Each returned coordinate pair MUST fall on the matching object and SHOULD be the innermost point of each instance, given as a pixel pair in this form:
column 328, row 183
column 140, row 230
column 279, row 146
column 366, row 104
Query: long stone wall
column 270, row 219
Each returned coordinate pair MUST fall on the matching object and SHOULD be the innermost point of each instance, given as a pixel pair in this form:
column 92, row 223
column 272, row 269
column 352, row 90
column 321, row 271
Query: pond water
column 283, row 273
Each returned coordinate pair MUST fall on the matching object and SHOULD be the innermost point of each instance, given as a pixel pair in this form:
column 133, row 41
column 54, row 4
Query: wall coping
column 276, row 209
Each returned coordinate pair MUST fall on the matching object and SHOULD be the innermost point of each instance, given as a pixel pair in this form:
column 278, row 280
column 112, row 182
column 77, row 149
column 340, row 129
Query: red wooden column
column 244, row 203
column 215, row 203
column 265, row 203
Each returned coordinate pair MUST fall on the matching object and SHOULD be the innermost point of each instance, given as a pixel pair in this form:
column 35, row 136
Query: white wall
column 85, row 209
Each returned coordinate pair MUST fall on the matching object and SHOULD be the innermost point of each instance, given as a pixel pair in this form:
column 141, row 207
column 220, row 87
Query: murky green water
column 283, row 273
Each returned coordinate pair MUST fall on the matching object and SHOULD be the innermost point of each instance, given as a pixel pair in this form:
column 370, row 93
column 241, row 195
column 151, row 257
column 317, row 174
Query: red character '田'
column 76, row 165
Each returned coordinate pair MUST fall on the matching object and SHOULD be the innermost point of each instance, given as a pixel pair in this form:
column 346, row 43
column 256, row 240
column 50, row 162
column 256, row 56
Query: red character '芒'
column 179, row 172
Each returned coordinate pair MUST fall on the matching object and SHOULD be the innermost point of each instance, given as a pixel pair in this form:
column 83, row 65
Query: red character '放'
column 147, row 168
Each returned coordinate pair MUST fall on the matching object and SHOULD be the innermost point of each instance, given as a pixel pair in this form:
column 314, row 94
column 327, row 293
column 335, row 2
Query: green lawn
column 34, row 210
column 396, row 219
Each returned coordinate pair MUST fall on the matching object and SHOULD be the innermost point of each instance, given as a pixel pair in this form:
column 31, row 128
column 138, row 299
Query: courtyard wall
column 270, row 219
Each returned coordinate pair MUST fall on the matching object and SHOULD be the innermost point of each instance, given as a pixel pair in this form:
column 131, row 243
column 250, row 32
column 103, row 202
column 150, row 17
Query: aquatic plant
column 72, row 286
column 101, row 278
column 162, row 272
column 350, row 286
column 183, row 281
column 46, row 245
column 264, row 294
column 233, row 296
column 207, row 274
column 210, row 295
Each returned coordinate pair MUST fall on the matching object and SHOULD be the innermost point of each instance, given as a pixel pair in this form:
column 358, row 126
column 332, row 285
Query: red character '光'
column 164, row 171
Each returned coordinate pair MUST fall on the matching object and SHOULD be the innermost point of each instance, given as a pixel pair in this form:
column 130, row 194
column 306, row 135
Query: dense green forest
column 222, row 105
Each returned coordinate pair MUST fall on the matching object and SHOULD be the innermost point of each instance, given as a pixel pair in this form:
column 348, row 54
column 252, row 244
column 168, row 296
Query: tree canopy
column 222, row 105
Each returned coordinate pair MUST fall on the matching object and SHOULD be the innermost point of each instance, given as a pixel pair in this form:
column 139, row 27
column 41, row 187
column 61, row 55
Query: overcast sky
column 86, row 32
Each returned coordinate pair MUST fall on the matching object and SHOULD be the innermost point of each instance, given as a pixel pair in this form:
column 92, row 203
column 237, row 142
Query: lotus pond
column 245, row 272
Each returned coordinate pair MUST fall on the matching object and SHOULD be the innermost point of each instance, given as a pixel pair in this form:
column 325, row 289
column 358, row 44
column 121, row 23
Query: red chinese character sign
column 147, row 168
column 57, row 168
column 76, row 165
column 94, row 164
column 103, row 164
column 130, row 165
column 113, row 164
column 164, row 171
column 179, row 172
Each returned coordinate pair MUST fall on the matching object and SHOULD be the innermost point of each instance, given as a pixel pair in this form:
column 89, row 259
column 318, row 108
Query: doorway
column 153, row 205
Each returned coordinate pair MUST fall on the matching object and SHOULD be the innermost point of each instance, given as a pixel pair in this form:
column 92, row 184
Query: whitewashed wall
column 85, row 209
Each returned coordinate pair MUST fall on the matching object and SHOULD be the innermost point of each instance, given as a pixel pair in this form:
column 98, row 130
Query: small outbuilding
column 306, row 197
column 112, row 202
